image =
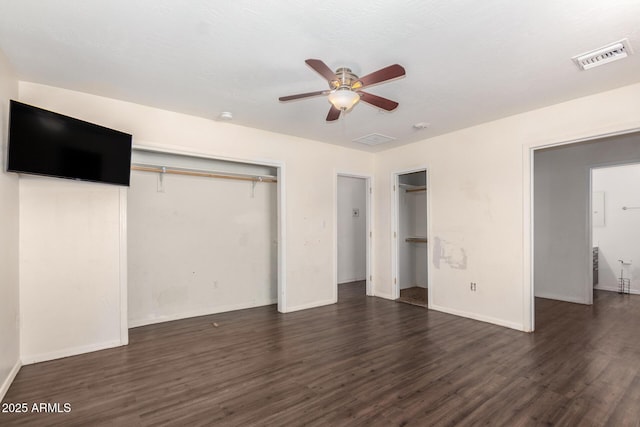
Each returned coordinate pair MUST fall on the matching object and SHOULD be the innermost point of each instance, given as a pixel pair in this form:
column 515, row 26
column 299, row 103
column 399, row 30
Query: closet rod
column 202, row 174
column 413, row 190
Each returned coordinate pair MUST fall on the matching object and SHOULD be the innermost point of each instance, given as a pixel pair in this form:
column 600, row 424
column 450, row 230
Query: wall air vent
column 618, row 50
column 374, row 139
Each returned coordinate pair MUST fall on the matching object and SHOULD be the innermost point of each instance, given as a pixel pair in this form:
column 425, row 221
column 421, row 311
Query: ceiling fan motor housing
column 345, row 78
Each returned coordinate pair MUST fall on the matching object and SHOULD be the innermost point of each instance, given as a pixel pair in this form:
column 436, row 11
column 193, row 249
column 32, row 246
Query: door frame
column 395, row 227
column 368, row 179
column 528, row 153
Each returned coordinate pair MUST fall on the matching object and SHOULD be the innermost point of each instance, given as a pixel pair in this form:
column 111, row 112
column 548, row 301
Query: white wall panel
column 69, row 267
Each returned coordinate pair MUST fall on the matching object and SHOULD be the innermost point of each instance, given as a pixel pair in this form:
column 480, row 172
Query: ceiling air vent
column 374, row 139
column 618, row 50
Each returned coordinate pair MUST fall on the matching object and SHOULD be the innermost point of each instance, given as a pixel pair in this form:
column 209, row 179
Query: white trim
column 282, row 239
column 385, row 296
column 474, row 316
column 7, row 382
column 528, row 219
column 368, row 182
column 59, row 354
column 429, row 239
column 352, row 279
column 370, row 289
column 395, row 293
column 197, row 313
column 311, row 305
column 124, row 308
column 528, row 295
column 588, row 287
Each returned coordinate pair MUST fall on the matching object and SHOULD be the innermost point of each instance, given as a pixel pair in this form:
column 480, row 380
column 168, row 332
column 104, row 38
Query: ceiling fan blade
column 384, row 74
column 334, row 114
column 378, row 101
column 322, row 69
column 303, row 95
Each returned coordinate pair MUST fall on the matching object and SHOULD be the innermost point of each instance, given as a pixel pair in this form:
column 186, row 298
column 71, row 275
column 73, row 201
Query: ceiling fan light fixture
column 343, row 98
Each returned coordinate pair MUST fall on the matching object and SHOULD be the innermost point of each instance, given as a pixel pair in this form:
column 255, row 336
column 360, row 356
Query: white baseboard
column 357, row 279
column 561, row 298
column 383, row 295
column 615, row 289
column 134, row 323
column 7, row 382
column 311, row 305
column 67, row 352
column 474, row 316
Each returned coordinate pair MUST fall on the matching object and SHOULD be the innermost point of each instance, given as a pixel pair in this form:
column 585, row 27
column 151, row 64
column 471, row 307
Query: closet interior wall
column 412, row 218
column 199, row 245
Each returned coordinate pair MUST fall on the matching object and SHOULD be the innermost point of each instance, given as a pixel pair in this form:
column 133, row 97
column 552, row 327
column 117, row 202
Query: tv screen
column 42, row 142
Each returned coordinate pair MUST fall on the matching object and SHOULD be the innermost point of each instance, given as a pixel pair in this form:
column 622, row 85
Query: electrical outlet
column 473, row 286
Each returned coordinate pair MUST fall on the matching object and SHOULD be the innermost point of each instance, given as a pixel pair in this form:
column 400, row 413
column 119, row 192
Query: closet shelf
column 413, row 188
column 416, row 239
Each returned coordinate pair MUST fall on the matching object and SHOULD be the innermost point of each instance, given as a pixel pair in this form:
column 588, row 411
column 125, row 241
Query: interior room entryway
column 615, row 228
column 410, row 238
column 353, row 230
column 582, row 193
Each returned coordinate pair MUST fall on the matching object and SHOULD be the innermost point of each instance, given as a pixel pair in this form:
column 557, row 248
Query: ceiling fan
column 346, row 88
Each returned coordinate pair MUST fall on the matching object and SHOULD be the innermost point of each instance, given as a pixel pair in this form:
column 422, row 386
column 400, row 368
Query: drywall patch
column 449, row 254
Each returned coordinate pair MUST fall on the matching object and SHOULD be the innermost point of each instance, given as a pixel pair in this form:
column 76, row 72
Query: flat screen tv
column 42, row 142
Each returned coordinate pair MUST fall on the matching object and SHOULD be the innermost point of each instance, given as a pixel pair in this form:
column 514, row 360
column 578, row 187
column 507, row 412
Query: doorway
column 562, row 196
column 410, row 238
column 615, row 228
column 352, row 235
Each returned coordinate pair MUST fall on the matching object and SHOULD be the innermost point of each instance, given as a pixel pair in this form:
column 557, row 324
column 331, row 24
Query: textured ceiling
column 467, row 61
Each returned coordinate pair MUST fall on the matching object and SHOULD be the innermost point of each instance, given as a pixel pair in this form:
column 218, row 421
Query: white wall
column 309, row 172
column 562, row 254
column 199, row 246
column 352, row 231
column 69, row 267
column 619, row 237
column 9, row 291
column 480, row 200
column 475, row 188
column 479, row 203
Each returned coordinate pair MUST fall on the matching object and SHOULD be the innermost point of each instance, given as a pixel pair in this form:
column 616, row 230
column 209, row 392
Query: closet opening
column 410, row 238
column 202, row 236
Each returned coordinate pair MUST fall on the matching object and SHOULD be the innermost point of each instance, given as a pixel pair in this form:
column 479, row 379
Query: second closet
column 412, row 238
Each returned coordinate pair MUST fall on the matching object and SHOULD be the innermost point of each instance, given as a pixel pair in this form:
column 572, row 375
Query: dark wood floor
column 364, row 361
column 415, row 295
